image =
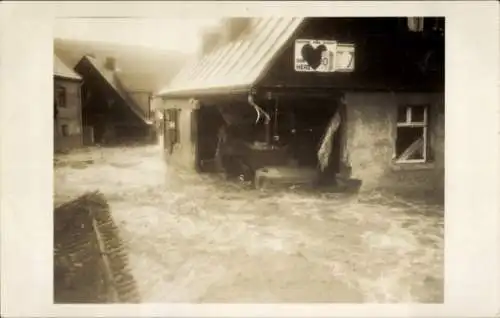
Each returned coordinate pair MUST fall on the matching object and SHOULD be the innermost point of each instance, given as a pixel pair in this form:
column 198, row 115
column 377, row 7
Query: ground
column 195, row 238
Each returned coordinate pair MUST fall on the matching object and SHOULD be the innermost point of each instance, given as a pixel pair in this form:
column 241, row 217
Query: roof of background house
column 237, row 64
column 62, row 70
column 111, row 77
column 141, row 68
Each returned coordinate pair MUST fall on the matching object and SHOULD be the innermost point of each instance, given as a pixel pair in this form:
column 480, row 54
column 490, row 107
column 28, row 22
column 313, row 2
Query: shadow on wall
column 90, row 260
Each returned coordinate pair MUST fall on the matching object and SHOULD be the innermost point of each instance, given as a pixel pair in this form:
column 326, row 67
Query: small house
column 350, row 98
column 67, row 107
column 112, row 115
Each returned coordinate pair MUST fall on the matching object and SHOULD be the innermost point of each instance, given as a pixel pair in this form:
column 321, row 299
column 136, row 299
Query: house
column 141, row 68
column 352, row 98
column 67, row 107
column 112, row 115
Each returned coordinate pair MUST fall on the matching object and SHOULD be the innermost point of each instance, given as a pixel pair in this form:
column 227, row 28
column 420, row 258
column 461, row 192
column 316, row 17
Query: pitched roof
column 142, row 68
column 236, row 64
column 113, row 80
column 62, row 70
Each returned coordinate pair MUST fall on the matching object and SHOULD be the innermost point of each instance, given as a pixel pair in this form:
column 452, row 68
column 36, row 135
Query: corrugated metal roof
column 115, row 83
column 62, row 70
column 238, row 63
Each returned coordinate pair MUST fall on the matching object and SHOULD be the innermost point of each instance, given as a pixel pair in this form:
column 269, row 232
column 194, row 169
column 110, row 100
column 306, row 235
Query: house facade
column 362, row 96
column 67, row 107
column 111, row 115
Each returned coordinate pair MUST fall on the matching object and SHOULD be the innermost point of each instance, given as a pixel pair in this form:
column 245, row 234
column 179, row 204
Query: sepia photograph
column 249, row 159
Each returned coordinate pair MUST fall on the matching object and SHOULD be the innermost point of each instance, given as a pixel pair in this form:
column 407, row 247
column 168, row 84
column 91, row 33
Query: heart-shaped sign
column 313, row 55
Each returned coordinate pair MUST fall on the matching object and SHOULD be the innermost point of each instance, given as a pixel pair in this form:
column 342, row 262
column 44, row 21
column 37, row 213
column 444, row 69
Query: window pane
column 410, row 143
column 65, row 130
column 402, row 114
column 417, row 113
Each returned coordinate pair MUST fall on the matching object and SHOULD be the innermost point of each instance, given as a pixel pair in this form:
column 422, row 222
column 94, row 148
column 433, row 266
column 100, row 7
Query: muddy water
column 195, row 238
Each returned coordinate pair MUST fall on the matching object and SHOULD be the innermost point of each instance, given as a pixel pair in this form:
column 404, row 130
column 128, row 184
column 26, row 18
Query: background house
column 67, row 107
column 141, row 68
column 110, row 114
column 384, row 76
column 142, row 71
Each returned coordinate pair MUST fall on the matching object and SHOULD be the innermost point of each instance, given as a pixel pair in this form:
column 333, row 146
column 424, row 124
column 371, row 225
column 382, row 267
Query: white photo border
column 472, row 252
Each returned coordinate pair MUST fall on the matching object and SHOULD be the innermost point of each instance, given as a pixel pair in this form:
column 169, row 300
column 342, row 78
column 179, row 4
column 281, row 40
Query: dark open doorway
column 209, row 120
column 302, row 125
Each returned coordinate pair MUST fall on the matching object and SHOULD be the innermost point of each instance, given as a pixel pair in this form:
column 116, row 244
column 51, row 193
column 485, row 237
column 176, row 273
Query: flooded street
column 193, row 238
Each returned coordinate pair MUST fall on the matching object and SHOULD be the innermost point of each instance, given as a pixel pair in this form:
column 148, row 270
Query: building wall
column 184, row 152
column 107, row 113
column 370, row 143
column 69, row 116
column 387, row 55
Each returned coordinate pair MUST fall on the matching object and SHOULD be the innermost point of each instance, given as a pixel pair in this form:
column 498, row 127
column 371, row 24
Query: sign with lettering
column 323, row 56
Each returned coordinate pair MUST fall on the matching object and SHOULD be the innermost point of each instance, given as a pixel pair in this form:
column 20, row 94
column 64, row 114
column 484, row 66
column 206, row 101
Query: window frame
column 408, row 123
column 61, row 92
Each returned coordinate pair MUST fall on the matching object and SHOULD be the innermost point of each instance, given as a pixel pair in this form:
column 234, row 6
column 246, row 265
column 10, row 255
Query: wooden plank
column 412, row 149
column 417, row 124
column 110, row 282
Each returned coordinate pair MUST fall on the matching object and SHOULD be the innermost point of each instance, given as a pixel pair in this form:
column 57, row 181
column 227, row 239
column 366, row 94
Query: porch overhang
column 206, row 92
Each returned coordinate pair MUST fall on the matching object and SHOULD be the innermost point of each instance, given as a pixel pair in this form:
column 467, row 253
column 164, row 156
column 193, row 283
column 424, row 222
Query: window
column 60, row 96
column 411, row 140
column 172, row 124
column 65, row 130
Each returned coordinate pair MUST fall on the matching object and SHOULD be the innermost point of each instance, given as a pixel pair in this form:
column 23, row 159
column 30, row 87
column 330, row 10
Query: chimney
column 110, row 63
column 233, row 27
column 416, row 24
column 210, row 39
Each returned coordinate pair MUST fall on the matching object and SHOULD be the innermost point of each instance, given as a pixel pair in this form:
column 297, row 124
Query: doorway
column 303, row 123
column 209, row 120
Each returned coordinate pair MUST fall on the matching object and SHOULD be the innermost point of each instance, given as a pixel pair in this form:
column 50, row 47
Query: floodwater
column 196, row 238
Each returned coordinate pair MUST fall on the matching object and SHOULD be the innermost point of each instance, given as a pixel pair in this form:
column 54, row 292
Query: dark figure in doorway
column 230, row 154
